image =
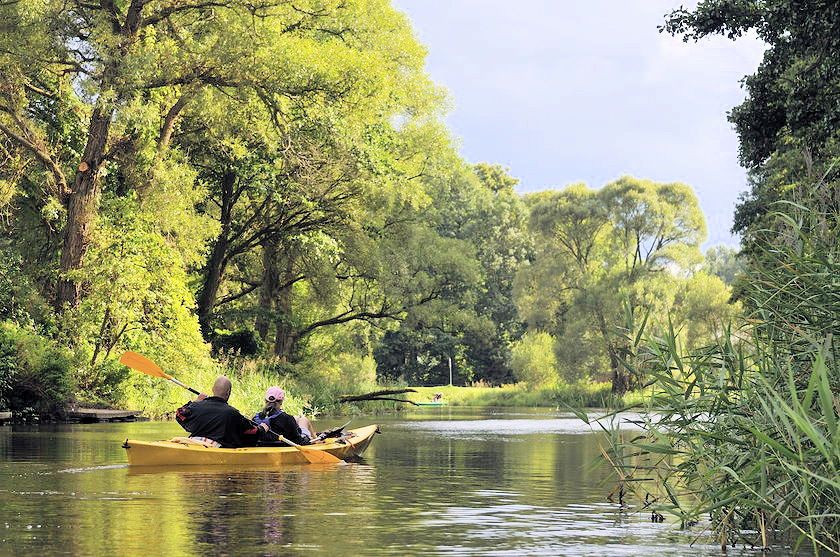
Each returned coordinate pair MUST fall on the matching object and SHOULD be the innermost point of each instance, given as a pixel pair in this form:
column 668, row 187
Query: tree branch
column 134, row 18
column 155, row 18
column 111, row 11
column 171, row 118
column 41, row 154
column 376, row 395
column 245, row 291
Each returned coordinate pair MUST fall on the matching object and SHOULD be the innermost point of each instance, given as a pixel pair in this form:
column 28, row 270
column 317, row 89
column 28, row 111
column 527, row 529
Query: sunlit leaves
column 629, row 244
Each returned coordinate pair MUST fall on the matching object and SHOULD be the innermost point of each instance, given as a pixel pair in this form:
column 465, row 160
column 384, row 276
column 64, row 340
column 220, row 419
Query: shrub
column 534, row 361
column 242, row 343
column 20, row 301
column 35, row 375
column 102, row 384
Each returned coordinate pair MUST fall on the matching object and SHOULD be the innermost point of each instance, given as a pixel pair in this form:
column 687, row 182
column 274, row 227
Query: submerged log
column 379, row 395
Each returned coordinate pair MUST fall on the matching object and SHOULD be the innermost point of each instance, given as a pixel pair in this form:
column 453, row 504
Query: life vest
column 259, row 419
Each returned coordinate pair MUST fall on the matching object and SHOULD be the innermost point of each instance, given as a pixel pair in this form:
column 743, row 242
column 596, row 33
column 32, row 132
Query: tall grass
column 746, row 431
column 581, row 394
column 313, row 389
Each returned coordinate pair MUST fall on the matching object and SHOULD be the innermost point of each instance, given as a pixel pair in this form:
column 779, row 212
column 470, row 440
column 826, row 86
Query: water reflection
column 442, row 483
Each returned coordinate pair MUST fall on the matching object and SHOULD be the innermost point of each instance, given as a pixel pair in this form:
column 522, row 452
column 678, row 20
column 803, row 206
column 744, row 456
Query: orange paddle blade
column 142, row 364
column 313, row 456
column 319, row 457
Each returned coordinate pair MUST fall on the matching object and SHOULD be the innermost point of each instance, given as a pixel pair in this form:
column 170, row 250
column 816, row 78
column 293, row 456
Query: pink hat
column 275, row 394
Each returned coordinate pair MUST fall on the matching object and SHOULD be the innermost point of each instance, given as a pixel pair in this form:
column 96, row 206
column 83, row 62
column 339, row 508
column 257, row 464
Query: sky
column 566, row 91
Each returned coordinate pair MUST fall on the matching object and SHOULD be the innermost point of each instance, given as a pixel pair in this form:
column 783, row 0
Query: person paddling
column 272, row 417
column 213, row 421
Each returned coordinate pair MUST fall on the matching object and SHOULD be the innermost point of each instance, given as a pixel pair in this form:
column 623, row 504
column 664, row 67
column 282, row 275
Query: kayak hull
column 167, row 453
column 430, row 403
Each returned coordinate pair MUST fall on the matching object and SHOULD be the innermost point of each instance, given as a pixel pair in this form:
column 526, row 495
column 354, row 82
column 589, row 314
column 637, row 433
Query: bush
column 534, row 361
column 35, row 375
column 102, row 384
column 20, row 301
column 8, row 370
column 241, row 343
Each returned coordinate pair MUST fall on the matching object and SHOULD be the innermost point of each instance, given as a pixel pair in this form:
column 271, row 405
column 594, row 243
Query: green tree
column 476, row 324
column 93, row 92
column 723, row 262
column 702, row 309
column 794, row 91
column 600, row 252
column 788, row 124
column 534, row 362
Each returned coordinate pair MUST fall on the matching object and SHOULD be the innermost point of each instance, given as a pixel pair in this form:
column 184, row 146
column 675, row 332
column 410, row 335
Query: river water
column 440, row 482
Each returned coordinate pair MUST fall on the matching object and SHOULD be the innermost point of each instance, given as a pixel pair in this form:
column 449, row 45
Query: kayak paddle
column 142, row 364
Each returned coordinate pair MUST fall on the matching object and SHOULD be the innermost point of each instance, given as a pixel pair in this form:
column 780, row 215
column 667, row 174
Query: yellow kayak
column 168, row 453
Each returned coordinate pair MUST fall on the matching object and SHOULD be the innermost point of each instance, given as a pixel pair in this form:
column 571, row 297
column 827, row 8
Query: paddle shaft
column 187, row 387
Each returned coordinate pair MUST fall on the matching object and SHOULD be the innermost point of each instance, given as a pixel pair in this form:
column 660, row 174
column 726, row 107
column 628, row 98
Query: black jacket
column 285, row 425
column 215, row 419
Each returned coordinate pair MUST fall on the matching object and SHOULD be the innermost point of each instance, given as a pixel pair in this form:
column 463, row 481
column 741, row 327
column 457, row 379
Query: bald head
column 221, row 388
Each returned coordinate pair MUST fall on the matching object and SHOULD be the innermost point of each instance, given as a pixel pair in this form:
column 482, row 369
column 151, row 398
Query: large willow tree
column 92, row 92
column 606, row 260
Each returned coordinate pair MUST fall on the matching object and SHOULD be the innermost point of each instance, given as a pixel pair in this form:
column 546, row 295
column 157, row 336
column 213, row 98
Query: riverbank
column 588, row 394
column 321, row 401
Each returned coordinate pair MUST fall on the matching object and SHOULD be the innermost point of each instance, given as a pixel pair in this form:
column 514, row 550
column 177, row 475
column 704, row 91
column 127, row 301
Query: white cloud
column 563, row 91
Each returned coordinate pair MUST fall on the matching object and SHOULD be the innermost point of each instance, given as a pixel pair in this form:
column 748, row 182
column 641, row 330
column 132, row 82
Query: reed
column 746, row 431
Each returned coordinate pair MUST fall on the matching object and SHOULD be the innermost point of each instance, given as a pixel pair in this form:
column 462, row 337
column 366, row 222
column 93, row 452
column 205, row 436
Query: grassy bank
column 578, row 395
column 315, row 396
column 39, row 382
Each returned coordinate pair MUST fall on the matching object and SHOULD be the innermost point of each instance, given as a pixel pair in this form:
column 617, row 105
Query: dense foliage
column 608, row 260
column 268, row 190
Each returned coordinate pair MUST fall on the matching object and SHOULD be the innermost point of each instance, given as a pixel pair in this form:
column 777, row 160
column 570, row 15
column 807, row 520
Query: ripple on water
column 469, row 428
column 519, row 483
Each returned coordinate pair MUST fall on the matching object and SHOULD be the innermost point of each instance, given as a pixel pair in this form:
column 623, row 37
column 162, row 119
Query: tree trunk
column 620, row 378
column 285, row 336
column 82, row 206
column 215, row 268
column 83, row 201
column 210, row 288
column 268, row 289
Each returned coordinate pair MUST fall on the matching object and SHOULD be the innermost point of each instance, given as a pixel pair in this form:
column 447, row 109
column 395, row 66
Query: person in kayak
column 297, row 430
column 213, row 421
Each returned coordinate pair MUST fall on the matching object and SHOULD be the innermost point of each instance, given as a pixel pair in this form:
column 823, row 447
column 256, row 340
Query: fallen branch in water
column 379, row 395
column 396, row 399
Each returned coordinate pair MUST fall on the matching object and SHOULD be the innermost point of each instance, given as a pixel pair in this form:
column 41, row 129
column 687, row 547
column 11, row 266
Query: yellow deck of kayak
column 167, row 453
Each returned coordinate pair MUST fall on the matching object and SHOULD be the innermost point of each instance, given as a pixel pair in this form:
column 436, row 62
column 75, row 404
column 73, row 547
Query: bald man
column 212, row 420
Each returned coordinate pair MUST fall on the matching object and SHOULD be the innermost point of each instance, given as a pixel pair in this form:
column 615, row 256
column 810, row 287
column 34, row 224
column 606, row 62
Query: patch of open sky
column 566, row 92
